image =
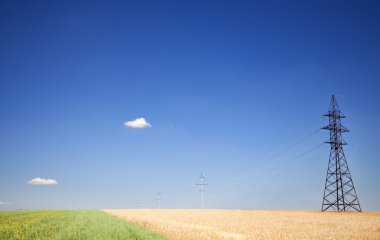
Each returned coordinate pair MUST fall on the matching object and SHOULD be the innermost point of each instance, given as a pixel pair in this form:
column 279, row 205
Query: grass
column 255, row 224
column 68, row 224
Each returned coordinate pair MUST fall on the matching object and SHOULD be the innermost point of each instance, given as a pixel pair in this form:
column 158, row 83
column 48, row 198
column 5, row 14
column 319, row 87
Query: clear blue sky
column 229, row 88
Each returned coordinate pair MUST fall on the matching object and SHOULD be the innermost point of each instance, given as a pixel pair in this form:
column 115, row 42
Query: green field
column 68, row 224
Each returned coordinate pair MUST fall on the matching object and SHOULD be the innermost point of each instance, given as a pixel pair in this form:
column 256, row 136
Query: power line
column 279, row 174
column 250, row 166
column 249, row 170
column 242, row 185
column 267, row 153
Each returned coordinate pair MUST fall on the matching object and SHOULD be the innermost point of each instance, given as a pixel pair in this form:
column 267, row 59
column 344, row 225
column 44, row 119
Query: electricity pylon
column 339, row 193
column 202, row 185
column 158, row 199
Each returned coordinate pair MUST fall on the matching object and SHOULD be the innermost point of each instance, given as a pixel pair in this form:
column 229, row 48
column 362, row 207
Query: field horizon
column 188, row 224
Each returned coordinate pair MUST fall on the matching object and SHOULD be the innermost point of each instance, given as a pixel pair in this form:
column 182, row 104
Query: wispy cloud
column 5, row 203
column 137, row 123
column 42, row 181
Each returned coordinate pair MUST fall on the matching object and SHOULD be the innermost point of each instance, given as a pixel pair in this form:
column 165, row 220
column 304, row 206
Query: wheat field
column 255, row 224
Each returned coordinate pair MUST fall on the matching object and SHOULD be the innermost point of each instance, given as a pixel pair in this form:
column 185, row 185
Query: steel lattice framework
column 339, row 194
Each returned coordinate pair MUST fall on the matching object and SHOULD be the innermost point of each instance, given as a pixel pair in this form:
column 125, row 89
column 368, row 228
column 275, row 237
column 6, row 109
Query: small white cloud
column 42, row 181
column 137, row 123
column 5, row 203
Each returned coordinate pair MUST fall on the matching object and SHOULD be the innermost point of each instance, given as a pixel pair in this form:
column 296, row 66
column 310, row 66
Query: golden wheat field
column 255, row 224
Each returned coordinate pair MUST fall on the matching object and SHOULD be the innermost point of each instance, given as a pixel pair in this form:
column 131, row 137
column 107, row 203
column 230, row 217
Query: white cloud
column 42, row 181
column 137, row 123
column 5, row 203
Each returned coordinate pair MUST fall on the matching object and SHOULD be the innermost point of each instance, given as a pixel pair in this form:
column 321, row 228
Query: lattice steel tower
column 339, row 194
column 202, row 185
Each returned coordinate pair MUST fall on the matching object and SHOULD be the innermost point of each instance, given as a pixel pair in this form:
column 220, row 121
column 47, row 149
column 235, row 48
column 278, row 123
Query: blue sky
column 229, row 88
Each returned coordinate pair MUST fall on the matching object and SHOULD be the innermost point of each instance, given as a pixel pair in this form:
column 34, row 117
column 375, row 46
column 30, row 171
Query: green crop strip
column 67, row 225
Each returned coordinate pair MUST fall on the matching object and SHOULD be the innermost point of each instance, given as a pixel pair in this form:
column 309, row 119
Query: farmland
column 67, row 225
column 250, row 224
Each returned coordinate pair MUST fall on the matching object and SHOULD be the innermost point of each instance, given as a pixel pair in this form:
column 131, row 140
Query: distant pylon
column 202, row 185
column 339, row 193
column 158, row 199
